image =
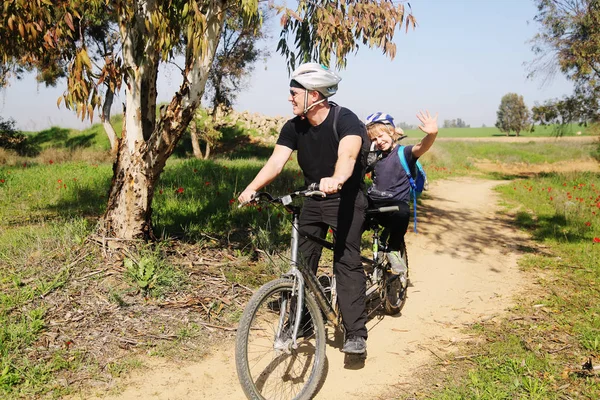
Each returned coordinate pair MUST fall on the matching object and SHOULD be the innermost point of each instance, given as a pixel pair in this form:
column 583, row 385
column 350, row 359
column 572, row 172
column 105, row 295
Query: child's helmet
column 380, row 118
column 314, row 76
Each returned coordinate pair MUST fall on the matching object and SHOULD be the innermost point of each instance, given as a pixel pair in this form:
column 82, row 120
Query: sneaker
column 355, row 345
column 397, row 264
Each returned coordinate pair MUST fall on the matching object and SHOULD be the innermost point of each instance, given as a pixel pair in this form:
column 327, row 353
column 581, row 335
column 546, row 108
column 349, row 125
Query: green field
column 539, row 131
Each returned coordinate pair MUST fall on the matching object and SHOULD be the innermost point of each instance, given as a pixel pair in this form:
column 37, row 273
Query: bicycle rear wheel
column 268, row 366
column 395, row 288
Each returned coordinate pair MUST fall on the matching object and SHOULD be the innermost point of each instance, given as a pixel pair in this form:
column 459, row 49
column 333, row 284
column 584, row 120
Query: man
column 333, row 158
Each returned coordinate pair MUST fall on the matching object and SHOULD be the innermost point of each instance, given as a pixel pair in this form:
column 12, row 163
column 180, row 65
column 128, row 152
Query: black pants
column 396, row 223
column 345, row 216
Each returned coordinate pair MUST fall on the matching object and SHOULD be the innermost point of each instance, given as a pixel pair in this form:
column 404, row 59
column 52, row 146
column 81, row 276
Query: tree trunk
column 195, row 143
column 146, row 144
column 105, row 119
column 207, row 151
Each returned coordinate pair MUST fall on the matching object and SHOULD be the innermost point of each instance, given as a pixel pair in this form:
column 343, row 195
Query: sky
column 461, row 59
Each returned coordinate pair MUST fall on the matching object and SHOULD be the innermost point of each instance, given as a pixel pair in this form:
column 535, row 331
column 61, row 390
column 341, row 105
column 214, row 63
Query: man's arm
column 268, row 172
column 348, row 151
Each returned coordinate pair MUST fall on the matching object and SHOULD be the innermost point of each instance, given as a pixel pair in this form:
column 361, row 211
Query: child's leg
column 397, row 223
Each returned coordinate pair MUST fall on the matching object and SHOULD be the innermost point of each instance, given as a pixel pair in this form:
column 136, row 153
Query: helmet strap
column 306, row 109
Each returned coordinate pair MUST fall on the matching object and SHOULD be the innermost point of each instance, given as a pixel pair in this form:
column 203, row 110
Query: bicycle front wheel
column 268, row 365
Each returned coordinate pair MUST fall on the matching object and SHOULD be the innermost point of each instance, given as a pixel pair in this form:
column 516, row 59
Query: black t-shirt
column 317, row 146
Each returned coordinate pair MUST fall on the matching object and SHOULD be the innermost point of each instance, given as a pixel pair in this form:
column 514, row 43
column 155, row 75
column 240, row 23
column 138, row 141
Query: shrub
column 10, row 137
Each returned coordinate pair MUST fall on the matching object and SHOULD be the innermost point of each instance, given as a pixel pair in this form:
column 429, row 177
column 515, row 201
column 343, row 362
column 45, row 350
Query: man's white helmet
column 314, row 76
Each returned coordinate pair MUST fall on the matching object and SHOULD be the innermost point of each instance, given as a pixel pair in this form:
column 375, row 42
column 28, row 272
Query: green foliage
column 142, row 271
column 576, row 109
column 151, row 273
column 235, row 58
column 322, row 29
column 513, row 114
column 570, row 35
column 11, row 138
column 569, row 39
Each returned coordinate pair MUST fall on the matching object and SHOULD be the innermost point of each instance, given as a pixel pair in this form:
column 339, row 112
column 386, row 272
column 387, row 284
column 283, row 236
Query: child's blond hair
column 378, row 128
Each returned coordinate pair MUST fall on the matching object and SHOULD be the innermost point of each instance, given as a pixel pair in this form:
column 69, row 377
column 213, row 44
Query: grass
column 49, row 205
column 539, row 354
column 490, row 131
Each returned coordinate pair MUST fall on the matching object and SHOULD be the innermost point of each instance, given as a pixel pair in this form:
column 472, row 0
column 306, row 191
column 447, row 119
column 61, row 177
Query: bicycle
column 280, row 350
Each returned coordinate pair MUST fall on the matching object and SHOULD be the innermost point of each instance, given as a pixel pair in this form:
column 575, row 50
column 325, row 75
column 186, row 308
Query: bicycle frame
column 304, row 277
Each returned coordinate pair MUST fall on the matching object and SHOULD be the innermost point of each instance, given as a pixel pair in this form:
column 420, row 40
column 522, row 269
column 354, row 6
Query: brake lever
column 315, row 193
column 254, row 198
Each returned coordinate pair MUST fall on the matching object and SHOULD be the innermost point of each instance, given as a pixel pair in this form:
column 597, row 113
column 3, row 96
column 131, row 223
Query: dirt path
column 463, row 270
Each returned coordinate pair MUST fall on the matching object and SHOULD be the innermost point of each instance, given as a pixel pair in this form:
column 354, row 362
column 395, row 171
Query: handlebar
column 312, row 190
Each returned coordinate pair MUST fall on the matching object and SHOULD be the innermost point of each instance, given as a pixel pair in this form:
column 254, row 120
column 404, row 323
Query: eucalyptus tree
column 569, row 41
column 234, row 61
column 48, row 33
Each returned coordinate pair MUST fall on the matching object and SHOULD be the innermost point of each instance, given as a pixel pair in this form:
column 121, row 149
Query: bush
column 11, row 138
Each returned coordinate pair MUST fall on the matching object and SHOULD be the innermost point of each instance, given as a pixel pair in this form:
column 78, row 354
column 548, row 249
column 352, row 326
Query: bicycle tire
column 278, row 374
column 395, row 291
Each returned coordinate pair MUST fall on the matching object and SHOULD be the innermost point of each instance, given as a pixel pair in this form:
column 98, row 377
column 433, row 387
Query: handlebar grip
column 316, row 186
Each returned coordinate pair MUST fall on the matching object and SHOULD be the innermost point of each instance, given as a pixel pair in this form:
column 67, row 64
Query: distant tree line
column 455, row 123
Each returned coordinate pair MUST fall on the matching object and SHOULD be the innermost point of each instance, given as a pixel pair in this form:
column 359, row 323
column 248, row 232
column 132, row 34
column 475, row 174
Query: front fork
column 297, row 288
column 300, row 281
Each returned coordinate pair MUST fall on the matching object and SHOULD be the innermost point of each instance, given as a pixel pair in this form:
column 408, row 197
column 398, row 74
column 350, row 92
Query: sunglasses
column 294, row 94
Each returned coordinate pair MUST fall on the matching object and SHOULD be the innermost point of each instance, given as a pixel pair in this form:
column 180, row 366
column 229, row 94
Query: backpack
column 366, row 141
column 418, row 183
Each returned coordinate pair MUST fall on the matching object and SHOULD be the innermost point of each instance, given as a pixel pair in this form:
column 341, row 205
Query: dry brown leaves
column 100, row 317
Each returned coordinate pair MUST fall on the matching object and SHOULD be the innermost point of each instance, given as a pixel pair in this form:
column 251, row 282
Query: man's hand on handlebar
column 330, row 185
column 246, row 196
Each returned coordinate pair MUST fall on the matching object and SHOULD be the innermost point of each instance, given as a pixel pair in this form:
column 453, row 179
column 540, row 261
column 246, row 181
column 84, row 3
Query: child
column 390, row 182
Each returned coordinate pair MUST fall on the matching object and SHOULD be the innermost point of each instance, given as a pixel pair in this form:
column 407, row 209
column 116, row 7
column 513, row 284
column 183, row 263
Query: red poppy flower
column 179, row 190
column 60, row 181
column 160, row 191
column 50, row 162
column 195, row 170
column 550, row 198
column 2, row 181
column 24, row 165
column 588, row 223
column 207, row 183
column 231, row 201
column 596, row 240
